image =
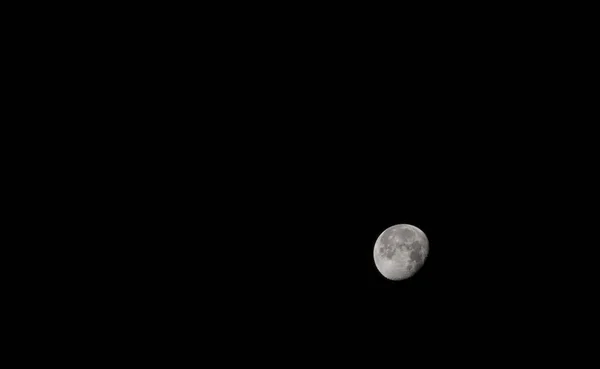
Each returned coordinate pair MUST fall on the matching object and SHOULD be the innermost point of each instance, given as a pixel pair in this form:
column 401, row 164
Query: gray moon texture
column 400, row 251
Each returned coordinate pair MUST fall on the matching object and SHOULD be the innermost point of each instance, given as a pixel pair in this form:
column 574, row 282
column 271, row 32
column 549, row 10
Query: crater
column 407, row 234
column 416, row 253
column 387, row 250
column 416, row 256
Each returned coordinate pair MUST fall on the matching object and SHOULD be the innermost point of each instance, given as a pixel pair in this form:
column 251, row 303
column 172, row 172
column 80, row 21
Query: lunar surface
column 400, row 251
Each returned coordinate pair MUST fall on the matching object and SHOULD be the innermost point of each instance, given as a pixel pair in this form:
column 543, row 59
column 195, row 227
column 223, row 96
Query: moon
column 400, row 251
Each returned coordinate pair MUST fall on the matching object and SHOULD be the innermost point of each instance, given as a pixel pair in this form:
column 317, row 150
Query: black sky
column 259, row 198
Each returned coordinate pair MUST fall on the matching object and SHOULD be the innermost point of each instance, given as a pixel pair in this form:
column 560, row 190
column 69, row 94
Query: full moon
column 400, row 251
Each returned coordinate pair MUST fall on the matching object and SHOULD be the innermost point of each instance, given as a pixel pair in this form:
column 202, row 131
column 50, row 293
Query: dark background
column 270, row 234
column 233, row 182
